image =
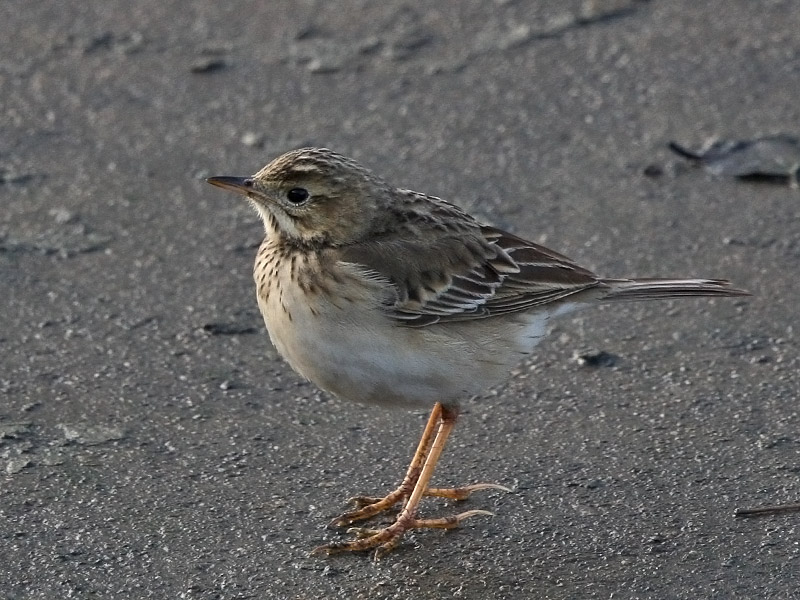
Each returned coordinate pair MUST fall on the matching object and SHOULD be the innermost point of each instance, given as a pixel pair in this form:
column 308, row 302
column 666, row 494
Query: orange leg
column 369, row 506
column 414, row 487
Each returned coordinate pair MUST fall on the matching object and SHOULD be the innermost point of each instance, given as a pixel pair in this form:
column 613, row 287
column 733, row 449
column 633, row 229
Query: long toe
column 368, row 507
column 365, row 539
column 464, row 492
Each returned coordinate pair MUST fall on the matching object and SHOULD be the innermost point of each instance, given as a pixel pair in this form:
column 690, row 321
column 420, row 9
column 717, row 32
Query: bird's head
column 314, row 197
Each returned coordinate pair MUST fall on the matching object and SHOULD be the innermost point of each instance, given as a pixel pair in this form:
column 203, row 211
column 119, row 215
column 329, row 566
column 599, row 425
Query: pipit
column 386, row 296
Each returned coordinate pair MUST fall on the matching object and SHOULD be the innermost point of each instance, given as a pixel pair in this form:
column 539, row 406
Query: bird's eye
column 297, row 195
column 248, row 183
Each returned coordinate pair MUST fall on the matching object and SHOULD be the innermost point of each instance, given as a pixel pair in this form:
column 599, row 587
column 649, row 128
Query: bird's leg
column 384, row 540
column 369, row 506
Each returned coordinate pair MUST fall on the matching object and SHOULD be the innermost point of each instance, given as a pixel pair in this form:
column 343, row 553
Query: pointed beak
column 240, row 185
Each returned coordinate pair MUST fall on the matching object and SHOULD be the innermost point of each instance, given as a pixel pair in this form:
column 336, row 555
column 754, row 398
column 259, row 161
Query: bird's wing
column 470, row 274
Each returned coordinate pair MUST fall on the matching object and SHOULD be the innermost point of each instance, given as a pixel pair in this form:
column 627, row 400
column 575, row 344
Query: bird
column 386, row 296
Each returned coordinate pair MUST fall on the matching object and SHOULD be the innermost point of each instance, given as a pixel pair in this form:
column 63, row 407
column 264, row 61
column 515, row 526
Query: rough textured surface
column 153, row 446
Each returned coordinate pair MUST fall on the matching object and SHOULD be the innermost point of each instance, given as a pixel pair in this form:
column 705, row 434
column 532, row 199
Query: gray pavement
column 152, row 444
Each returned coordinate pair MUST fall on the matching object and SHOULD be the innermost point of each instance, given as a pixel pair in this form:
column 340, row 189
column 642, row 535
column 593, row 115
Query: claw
column 323, row 549
column 337, row 523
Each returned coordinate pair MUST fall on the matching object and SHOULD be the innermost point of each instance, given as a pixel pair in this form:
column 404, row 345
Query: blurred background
column 152, row 443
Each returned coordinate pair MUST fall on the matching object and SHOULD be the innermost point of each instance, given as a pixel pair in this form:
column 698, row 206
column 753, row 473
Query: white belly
column 361, row 355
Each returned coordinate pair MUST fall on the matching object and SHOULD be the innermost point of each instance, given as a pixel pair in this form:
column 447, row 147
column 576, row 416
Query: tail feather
column 654, row 289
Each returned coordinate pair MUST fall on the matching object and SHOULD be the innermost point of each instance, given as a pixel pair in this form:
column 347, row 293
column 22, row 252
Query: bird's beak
column 240, row 185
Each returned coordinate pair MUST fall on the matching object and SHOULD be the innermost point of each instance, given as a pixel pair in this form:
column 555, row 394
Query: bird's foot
column 386, row 539
column 369, row 506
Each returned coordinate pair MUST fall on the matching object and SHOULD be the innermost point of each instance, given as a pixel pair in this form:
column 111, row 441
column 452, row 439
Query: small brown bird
column 386, row 296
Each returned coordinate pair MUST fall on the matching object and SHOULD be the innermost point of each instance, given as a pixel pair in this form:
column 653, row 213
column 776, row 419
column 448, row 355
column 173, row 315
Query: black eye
column 247, row 182
column 297, row 195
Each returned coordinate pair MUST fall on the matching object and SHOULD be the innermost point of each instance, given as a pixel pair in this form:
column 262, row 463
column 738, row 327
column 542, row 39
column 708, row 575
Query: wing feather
column 465, row 275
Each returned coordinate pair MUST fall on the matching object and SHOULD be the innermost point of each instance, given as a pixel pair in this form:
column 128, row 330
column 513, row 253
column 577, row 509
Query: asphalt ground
column 153, row 445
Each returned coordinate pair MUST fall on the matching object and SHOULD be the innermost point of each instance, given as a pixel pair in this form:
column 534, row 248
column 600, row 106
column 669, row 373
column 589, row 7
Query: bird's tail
column 654, row 289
